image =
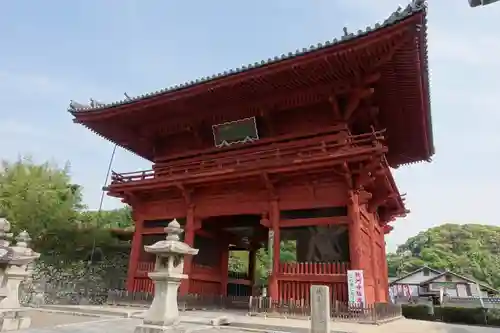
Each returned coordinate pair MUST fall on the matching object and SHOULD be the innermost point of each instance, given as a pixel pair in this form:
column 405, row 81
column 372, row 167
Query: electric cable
column 99, row 210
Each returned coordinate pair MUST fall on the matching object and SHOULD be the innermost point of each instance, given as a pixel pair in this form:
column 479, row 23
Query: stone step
column 123, row 312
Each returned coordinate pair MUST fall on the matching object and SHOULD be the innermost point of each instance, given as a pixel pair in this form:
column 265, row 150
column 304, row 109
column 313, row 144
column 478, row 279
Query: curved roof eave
column 415, row 7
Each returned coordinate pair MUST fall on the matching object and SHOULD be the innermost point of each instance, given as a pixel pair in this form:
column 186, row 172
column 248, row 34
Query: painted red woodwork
column 295, row 279
column 189, row 231
column 274, row 219
column 134, row 252
column 330, row 122
column 282, row 85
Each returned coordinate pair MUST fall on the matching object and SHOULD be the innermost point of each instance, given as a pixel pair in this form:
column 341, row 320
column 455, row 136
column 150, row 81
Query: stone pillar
column 320, row 309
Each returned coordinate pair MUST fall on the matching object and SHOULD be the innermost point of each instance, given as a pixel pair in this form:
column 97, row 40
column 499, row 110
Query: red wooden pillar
column 135, row 252
column 354, row 231
column 375, row 262
column 274, row 217
column 224, row 268
column 189, row 231
column 384, row 269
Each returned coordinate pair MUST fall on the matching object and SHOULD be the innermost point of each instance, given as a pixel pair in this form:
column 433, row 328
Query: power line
column 103, row 193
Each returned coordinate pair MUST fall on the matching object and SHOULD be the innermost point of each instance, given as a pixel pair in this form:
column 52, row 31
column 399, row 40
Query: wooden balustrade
column 295, row 279
column 204, row 279
column 271, row 155
column 313, row 268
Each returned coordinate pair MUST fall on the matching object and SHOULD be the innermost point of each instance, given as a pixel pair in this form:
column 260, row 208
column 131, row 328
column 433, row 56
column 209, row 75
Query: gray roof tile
column 400, row 14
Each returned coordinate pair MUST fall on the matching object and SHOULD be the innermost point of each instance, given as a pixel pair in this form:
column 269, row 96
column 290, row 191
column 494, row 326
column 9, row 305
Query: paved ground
column 43, row 322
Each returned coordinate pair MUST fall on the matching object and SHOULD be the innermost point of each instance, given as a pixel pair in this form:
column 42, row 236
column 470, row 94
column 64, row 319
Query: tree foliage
column 470, row 249
column 37, row 197
column 238, row 260
column 108, row 219
column 41, row 199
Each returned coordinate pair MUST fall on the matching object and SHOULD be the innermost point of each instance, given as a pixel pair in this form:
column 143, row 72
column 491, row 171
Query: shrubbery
column 457, row 315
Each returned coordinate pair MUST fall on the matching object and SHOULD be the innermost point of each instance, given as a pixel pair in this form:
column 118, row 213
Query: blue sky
column 54, row 51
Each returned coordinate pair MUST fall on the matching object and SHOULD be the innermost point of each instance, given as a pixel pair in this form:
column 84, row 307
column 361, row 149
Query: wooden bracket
column 354, row 100
column 368, row 174
column 264, row 220
column 269, row 186
column 378, row 201
column 186, row 194
column 346, row 172
column 197, row 224
column 335, row 107
column 364, row 197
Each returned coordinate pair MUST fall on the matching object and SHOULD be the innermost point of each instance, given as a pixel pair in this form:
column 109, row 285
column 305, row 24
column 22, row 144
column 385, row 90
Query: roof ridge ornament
column 95, row 104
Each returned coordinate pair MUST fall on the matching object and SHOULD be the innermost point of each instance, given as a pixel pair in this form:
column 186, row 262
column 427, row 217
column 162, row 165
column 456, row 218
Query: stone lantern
column 163, row 315
column 15, row 264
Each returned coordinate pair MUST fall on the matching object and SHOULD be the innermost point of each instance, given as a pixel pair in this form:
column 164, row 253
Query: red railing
column 145, row 267
column 295, row 279
column 306, row 150
column 314, row 268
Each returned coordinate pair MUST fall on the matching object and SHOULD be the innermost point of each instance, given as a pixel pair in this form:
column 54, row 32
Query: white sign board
column 320, row 309
column 356, row 287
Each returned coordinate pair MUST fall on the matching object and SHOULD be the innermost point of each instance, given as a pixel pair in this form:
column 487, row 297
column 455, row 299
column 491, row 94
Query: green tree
column 108, row 219
column 470, row 249
column 37, row 197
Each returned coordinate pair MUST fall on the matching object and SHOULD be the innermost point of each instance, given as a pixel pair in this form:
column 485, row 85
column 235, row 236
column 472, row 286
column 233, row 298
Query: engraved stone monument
column 320, row 309
column 15, row 267
column 163, row 315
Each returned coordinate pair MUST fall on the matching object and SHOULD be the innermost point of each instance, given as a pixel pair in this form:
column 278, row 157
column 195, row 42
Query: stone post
column 163, row 315
column 320, row 309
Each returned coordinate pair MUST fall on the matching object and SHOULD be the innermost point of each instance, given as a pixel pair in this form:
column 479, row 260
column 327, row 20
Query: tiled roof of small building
column 400, row 14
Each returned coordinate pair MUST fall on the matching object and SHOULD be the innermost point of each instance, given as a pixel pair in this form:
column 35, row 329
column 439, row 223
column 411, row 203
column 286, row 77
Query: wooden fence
column 295, row 279
column 264, row 306
column 340, row 311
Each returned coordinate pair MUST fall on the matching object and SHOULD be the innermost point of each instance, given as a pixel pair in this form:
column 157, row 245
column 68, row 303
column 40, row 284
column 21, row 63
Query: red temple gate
column 295, row 151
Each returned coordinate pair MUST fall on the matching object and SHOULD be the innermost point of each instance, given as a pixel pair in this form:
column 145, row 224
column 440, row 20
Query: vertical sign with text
column 356, row 287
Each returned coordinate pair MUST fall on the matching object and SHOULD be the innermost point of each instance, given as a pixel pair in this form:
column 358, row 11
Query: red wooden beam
column 324, row 278
column 318, row 221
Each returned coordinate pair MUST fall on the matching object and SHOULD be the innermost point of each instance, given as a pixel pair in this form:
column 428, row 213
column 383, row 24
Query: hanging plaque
column 238, row 131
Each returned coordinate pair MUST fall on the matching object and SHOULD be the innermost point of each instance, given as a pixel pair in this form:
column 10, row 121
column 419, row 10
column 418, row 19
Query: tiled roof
column 400, row 14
